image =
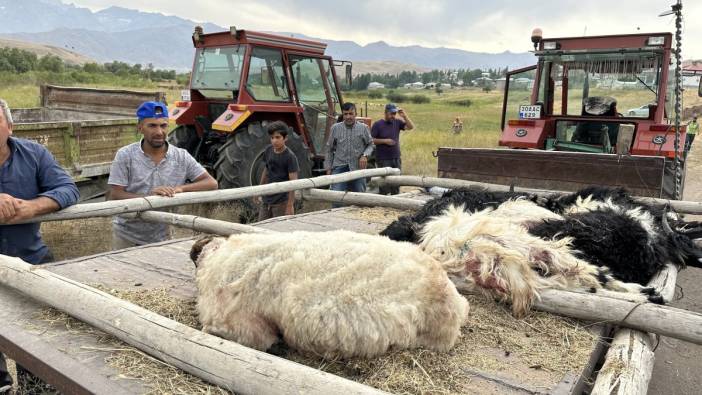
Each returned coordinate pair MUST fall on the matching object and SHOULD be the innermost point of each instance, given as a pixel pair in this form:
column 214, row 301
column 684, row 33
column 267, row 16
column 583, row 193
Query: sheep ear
column 197, row 247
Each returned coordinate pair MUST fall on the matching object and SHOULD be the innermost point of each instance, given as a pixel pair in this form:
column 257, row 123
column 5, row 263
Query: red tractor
column 592, row 111
column 241, row 80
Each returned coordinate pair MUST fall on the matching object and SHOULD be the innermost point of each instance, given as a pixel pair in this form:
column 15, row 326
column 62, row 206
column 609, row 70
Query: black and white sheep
column 608, row 228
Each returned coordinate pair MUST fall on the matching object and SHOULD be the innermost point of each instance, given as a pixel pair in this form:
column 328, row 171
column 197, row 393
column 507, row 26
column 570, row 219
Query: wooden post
column 617, row 308
column 680, row 206
column 115, row 207
column 630, row 359
column 362, row 199
column 200, row 224
column 218, row 361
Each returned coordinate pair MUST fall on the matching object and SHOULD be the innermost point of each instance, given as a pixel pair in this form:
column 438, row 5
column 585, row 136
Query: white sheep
column 333, row 294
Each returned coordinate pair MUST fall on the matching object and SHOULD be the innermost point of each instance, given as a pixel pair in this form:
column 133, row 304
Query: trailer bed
column 168, row 265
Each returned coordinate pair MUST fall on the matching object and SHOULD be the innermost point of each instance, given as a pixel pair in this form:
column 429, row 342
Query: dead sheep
column 494, row 252
column 331, row 294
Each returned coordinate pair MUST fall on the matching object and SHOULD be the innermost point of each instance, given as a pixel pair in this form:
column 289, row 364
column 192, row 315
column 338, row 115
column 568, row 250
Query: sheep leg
column 246, row 328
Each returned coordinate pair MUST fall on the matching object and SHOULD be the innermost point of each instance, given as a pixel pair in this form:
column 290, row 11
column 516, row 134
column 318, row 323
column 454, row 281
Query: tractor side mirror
column 348, row 78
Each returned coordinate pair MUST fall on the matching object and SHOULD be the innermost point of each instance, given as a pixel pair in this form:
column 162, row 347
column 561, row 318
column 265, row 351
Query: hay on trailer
column 131, row 363
column 375, row 214
column 493, row 342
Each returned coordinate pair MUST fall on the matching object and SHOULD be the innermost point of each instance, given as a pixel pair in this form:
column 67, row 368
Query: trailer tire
column 240, row 162
column 184, row 136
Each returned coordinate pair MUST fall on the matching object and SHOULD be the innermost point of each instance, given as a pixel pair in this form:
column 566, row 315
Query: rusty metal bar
column 51, row 365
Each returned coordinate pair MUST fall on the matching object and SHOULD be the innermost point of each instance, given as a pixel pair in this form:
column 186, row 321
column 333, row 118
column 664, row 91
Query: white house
column 417, row 85
column 445, row 86
column 375, row 85
column 430, row 85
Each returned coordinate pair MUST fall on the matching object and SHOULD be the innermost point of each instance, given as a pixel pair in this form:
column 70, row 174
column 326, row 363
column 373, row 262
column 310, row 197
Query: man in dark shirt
column 386, row 137
column 31, row 184
column 281, row 165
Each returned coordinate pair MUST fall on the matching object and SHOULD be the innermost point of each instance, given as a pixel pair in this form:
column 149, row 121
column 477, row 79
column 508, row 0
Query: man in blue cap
column 151, row 167
column 386, row 137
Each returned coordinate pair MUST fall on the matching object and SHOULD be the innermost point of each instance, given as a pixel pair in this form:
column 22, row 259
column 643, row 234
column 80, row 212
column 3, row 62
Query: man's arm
column 57, row 191
column 409, row 125
column 329, row 151
column 368, row 149
column 375, row 132
column 15, row 210
column 118, row 192
column 205, row 182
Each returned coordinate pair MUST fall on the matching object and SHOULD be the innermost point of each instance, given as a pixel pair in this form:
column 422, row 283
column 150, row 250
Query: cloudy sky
column 474, row 25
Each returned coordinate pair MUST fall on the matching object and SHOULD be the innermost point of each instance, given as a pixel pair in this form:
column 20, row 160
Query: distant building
column 375, row 85
column 430, row 85
column 445, row 86
column 417, row 85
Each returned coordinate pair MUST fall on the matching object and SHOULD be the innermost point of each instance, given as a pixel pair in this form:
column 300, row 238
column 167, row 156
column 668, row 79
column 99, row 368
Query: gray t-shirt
column 135, row 171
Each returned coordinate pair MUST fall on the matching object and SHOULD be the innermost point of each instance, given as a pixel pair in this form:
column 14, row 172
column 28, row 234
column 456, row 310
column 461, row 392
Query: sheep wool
column 333, row 294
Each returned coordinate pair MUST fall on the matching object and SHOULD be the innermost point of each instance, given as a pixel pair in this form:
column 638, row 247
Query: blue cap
column 152, row 109
column 391, row 107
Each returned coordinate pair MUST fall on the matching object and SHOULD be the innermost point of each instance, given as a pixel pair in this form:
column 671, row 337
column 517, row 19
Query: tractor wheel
column 184, row 136
column 240, row 162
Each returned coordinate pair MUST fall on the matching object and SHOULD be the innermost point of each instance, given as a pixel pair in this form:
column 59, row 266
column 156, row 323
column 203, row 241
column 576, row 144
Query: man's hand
column 8, row 207
column 24, row 209
column 363, row 162
column 390, row 142
column 164, row 191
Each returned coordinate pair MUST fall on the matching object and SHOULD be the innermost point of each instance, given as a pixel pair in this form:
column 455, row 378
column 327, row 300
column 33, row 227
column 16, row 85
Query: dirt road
column 678, row 368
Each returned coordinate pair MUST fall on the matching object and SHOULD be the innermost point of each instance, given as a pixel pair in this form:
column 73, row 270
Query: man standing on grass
column 692, row 128
column 386, row 137
column 31, row 184
column 347, row 149
column 151, row 167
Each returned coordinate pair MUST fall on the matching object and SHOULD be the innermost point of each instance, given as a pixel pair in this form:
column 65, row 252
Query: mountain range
column 128, row 35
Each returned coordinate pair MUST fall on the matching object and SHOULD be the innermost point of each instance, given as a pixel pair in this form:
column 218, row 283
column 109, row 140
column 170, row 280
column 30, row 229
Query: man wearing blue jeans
column 347, row 149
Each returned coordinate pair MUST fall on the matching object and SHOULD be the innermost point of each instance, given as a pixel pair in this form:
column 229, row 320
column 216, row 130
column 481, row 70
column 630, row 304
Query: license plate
column 185, row 95
column 529, row 112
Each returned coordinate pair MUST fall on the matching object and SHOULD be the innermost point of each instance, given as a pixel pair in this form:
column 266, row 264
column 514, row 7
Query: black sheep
column 606, row 237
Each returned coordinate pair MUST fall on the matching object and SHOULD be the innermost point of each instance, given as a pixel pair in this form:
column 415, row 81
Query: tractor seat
column 603, row 106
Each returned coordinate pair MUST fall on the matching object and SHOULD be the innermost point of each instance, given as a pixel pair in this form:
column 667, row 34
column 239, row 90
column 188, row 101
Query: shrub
column 375, row 95
column 420, row 99
column 396, row 97
column 462, row 102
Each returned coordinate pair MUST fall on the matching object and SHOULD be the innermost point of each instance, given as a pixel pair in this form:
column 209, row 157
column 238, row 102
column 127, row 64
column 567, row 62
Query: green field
column 481, row 124
column 481, row 120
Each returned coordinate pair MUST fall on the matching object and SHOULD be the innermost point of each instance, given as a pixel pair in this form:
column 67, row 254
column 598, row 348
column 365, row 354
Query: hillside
column 383, row 67
column 117, row 33
column 66, row 55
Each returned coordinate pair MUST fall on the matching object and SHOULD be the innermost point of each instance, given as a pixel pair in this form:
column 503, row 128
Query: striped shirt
column 346, row 145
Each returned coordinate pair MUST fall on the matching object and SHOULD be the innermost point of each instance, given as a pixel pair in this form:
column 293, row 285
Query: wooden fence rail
column 680, row 206
column 115, row 207
column 227, row 364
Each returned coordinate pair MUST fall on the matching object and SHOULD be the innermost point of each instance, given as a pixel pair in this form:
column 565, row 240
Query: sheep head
column 204, row 247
